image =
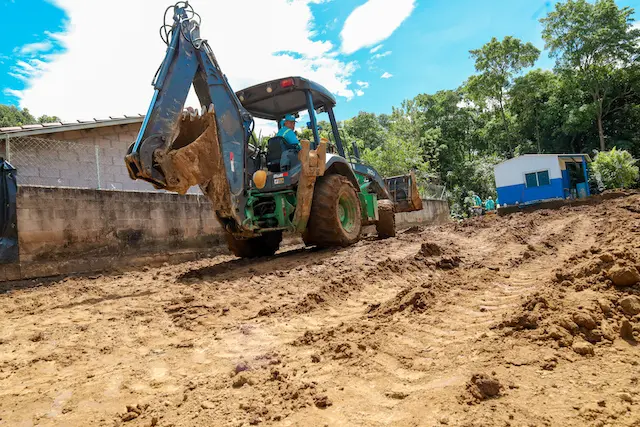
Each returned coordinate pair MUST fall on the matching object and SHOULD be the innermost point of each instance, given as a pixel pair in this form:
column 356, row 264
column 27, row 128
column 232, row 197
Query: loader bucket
column 404, row 192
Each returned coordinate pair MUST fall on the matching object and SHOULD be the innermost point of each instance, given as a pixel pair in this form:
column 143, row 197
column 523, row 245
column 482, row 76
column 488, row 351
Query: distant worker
column 477, row 201
column 476, row 204
column 287, row 131
column 489, row 204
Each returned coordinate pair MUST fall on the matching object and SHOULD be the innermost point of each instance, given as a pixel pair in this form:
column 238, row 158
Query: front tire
column 266, row 244
column 335, row 218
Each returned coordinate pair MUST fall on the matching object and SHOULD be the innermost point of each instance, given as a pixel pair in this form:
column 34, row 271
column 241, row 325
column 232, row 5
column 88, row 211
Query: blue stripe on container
column 513, row 194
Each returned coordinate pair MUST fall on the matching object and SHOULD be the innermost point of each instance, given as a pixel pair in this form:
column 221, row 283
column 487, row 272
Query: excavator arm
column 176, row 149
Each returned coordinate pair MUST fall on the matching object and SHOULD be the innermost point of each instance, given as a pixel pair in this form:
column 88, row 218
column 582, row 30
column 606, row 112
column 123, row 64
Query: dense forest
column 589, row 103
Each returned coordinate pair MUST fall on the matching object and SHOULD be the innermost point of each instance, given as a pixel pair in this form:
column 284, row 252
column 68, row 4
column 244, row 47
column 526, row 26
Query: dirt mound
column 593, row 298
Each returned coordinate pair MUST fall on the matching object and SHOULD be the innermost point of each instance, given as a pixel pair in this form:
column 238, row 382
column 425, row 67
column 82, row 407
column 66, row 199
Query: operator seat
column 281, row 156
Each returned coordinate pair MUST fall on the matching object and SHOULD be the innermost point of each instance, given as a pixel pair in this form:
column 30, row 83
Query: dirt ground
column 525, row 320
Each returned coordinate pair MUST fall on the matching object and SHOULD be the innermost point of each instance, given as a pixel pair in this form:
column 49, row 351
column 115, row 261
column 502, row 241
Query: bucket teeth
column 211, row 109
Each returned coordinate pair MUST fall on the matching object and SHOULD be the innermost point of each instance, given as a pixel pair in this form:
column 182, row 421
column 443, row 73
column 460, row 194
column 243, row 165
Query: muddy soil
column 526, row 320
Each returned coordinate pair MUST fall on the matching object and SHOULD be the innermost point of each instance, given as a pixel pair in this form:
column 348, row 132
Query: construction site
column 178, row 269
column 523, row 320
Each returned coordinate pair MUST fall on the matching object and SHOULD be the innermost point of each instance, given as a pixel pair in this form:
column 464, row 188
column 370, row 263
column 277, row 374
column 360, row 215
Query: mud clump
column 133, row 412
column 630, row 305
column 583, row 348
column 482, row 387
column 322, row 401
column 429, row 249
column 626, row 330
column 624, row 276
column 410, row 298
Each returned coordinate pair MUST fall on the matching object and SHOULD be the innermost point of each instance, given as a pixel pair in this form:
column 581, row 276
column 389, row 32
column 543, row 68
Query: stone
column 605, row 306
column 607, row 331
column 630, row 305
column 564, row 338
column 207, row 405
column 624, row 276
column 625, row 397
column 583, row 348
column 626, row 330
column 584, row 320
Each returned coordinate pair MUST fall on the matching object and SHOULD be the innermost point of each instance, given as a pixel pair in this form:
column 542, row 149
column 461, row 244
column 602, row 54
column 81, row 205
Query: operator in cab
column 287, row 130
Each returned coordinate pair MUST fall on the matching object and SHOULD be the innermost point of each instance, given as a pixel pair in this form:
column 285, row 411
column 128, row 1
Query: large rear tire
column 335, row 218
column 386, row 225
column 266, row 244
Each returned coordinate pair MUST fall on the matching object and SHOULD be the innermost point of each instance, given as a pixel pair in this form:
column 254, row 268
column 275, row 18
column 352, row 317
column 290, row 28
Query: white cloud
column 11, row 92
column 359, row 92
column 38, row 47
column 362, row 84
column 380, row 55
column 386, row 75
column 373, row 22
column 375, row 49
column 107, row 70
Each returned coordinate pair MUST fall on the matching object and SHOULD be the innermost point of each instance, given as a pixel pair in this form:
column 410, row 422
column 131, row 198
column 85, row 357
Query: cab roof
column 273, row 99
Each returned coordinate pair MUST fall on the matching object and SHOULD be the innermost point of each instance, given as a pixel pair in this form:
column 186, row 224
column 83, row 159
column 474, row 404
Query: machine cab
column 275, row 99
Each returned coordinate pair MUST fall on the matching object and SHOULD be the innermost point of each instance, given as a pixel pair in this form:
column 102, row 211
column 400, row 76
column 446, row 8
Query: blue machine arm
column 189, row 60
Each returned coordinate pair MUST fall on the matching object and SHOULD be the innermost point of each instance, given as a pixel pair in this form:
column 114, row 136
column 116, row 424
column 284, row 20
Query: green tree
column 13, row 116
column 593, row 43
column 616, row 168
column 48, row 119
column 532, row 101
column 395, row 157
column 366, row 129
column 497, row 63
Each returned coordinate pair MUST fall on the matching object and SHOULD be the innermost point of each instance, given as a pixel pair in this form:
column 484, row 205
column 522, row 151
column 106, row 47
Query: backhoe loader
column 255, row 194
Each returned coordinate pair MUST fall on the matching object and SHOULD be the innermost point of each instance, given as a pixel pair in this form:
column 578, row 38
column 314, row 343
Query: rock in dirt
column 605, row 306
column 483, row 387
column 584, row 320
column 240, row 380
column 430, row 249
column 624, row 276
column 399, row 395
column 207, row 405
column 625, row 397
column 322, row 401
column 626, row 330
column 630, row 305
column 241, row 367
column 564, row 337
column 583, row 348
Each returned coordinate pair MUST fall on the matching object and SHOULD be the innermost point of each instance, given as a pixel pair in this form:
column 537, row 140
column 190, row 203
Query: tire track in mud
column 416, row 347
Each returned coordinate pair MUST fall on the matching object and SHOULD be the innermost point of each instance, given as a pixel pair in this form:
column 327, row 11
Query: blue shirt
column 288, row 135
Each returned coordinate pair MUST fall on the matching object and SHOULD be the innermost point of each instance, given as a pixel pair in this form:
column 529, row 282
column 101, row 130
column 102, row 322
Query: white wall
column 512, row 171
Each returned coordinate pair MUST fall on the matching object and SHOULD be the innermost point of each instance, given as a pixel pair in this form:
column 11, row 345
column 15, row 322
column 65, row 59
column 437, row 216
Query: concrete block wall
column 68, row 230
column 433, row 212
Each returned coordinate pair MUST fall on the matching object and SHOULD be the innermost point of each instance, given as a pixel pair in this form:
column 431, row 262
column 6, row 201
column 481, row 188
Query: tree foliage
column 13, row 116
column 594, row 43
column 616, row 168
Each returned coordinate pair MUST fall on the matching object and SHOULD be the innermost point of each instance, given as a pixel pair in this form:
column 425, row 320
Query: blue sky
column 83, row 58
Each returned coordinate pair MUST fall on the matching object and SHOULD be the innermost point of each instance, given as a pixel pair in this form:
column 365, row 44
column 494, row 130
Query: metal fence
column 56, row 163
column 430, row 188
column 75, row 164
